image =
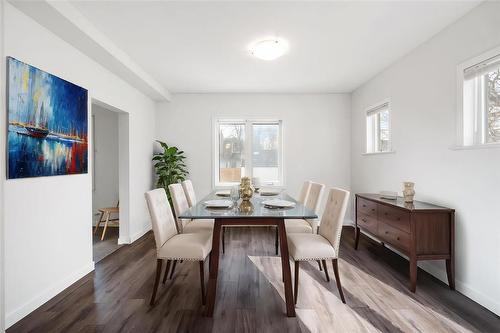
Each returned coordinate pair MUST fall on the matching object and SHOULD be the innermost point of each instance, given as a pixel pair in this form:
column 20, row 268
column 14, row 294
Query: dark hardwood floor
column 115, row 298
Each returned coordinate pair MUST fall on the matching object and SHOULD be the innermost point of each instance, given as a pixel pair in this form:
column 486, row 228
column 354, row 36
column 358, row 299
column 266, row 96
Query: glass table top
column 255, row 209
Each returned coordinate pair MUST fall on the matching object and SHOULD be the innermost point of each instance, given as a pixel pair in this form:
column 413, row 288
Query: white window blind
column 381, row 108
column 482, row 68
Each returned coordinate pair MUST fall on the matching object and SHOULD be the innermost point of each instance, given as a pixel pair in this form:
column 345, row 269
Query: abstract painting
column 47, row 133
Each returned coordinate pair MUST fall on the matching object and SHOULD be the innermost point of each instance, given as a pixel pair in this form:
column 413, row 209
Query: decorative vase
column 408, row 191
column 246, row 190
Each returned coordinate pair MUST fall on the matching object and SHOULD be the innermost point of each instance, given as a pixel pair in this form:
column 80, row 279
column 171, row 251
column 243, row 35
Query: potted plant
column 169, row 166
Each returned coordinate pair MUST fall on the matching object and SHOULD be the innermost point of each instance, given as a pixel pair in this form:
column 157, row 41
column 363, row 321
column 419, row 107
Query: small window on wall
column 248, row 148
column 480, row 107
column 378, row 129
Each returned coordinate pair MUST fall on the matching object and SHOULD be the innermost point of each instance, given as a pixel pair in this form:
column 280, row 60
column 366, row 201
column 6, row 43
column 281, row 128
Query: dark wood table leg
column 285, row 264
column 214, row 268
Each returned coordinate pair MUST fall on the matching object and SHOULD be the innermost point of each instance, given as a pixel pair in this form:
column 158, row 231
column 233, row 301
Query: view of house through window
column 231, row 152
column 481, row 102
column 248, row 148
column 378, row 136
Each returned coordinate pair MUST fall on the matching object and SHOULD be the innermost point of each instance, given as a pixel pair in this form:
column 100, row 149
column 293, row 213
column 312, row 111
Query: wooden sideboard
column 420, row 230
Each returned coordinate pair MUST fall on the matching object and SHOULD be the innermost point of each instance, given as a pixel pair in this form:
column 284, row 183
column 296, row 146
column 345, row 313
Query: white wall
column 422, row 88
column 105, row 183
column 316, row 132
column 47, row 220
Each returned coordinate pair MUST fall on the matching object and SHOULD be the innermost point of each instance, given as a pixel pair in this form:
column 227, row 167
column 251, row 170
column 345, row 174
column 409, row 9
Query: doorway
column 106, row 220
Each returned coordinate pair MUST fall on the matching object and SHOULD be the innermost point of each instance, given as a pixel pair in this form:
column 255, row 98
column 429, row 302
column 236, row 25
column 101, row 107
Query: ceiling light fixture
column 269, row 48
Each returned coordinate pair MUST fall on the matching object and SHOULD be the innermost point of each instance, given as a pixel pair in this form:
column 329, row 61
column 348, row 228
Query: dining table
column 253, row 212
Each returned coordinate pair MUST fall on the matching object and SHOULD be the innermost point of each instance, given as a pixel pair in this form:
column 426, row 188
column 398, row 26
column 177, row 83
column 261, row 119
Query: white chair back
column 161, row 216
column 314, row 197
column 304, row 192
column 180, row 203
column 187, row 185
column 333, row 216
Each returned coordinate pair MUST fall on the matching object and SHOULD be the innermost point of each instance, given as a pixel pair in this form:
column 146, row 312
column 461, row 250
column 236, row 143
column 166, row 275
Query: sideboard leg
column 450, row 272
column 450, row 263
column 356, row 237
column 413, row 274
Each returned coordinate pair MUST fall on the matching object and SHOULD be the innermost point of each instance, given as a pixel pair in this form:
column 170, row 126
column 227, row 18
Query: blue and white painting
column 47, row 133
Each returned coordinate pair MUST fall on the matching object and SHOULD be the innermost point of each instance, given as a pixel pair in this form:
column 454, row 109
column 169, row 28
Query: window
column 248, row 148
column 480, row 114
column 378, row 129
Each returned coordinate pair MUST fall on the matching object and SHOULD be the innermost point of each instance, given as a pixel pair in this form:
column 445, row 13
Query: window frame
column 248, row 148
column 372, row 133
column 479, row 138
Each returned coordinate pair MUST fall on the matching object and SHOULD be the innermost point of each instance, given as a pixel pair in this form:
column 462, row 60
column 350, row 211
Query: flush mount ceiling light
column 269, row 48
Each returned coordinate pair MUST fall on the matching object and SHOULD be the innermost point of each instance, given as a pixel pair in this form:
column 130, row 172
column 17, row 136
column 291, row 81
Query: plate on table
column 218, row 203
column 278, row 203
column 269, row 192
column 223, row 193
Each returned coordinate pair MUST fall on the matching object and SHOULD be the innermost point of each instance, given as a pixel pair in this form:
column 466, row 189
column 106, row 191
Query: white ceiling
column 334, row 46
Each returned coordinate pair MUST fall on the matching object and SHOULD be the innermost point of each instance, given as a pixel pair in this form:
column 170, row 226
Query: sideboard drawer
column 367, row 207
column 368, row 223
column 394, row 236
column 397, row 218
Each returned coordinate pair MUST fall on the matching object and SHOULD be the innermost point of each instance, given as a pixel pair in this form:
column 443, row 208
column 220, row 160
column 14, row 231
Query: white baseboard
column 123, row 240
column 134, row 237
column 348, row 223
column 489, row 303
column 14, row 316
column 139, row 234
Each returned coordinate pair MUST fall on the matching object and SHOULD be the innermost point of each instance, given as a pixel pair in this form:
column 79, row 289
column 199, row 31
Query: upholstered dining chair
column 304, row 192
column 187, row 185
column 180, row 203
column 326, row 243
column 312, row 202
column 170, row 245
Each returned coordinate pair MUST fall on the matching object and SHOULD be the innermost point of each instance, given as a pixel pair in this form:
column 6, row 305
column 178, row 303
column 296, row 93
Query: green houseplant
column 169, row 166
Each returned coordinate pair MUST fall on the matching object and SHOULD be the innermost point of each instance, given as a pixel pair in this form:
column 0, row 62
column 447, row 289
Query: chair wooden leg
column 159, row 262
column 276, row 242
column 319, row 265
column 202, row 281
column 296, row 291
column 337, row 278
column 326, row 270
column 223, row 240
column 98, row 222
column 166, row 271
column 105, row 226
column 173, row 269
